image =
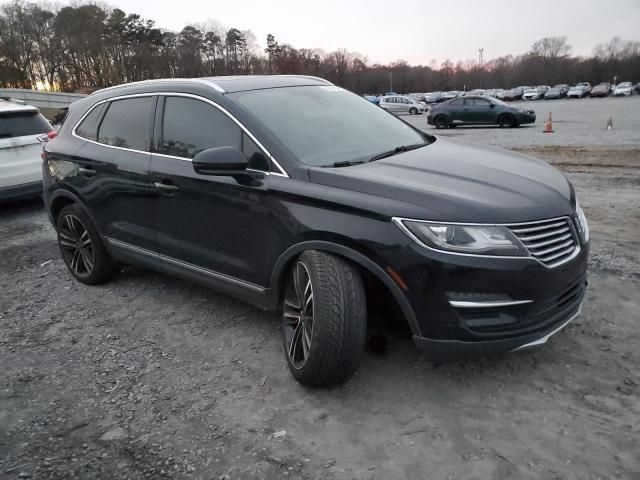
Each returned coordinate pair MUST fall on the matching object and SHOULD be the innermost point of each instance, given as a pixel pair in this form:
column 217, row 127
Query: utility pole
column 391, row 81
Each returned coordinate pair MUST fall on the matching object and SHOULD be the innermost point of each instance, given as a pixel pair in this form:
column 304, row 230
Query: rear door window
column 190, row 126
column 22, row 124
column 126, row 123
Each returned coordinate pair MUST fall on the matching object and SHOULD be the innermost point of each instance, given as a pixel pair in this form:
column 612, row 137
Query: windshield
column 498, row 102
column 324, row 125
column 625, row 84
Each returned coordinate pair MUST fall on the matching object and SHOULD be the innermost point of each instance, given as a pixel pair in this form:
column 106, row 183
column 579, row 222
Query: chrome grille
column 553, row 242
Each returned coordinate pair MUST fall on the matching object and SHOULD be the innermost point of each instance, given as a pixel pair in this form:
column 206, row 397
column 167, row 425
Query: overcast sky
column 413, row 30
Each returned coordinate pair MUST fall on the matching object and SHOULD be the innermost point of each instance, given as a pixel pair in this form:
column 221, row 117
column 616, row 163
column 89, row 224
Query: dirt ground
column 152, row 377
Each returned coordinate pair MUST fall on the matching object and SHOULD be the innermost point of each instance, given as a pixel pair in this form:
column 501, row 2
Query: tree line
column 87, row 46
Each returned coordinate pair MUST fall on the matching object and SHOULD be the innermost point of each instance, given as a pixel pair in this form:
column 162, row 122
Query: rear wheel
column 81, row 247
column 441, row 122
column 324, row 319
column 507, row 120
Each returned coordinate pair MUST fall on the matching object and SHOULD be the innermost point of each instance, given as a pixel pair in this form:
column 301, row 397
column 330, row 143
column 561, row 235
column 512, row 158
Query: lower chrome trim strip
column 546, row 337
column 488, row 304
column 188, row 266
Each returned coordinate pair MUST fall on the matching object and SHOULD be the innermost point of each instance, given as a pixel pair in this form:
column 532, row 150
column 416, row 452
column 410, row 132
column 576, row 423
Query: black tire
column 81, row 247
column 324, row 302
column 507, row 120
column 441, row 122
column 413, row 111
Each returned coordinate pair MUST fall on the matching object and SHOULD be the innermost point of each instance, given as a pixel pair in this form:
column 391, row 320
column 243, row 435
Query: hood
column 459, row 182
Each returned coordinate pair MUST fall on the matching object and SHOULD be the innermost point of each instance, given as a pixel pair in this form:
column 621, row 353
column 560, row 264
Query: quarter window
column 88, row 128
column 125, row 123
column 190, row 126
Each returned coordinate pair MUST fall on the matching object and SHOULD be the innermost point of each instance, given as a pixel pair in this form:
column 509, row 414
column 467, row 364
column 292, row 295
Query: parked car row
column 546, row 92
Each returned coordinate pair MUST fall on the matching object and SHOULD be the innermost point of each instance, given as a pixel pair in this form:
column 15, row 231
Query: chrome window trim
column 399, row 222
column 185, row 265
column 281, row 173
column 75, row 127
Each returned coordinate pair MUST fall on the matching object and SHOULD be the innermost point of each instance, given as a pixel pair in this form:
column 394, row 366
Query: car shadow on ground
column 20, row 206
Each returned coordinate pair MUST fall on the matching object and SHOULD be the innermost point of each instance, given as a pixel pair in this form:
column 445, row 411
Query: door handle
column 87, row 170
column 165, row 186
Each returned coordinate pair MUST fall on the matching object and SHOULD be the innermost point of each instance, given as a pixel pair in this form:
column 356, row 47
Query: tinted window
column 190, row 126
column 477, row 102
column 457, row 102
column 21, row 124
column 125, row 123
column 88, row 128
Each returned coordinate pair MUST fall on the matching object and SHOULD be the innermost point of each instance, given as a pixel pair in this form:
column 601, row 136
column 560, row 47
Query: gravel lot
column 151, row 377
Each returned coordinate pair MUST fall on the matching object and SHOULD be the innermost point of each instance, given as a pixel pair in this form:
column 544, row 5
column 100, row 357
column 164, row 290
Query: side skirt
column 245, row 291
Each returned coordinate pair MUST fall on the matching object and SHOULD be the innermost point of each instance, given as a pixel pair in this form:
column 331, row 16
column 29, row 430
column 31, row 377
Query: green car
column 478, row 110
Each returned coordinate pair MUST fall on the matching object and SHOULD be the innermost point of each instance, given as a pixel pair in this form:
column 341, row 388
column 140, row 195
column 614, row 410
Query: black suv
column 288, row 192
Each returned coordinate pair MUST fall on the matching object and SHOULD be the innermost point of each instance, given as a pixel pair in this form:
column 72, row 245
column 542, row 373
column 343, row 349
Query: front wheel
column 413, row 111
column 324, row 319
column 507, row 121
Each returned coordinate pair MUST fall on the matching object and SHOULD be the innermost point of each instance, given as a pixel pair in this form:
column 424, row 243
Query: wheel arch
column 361, row 260
column 60, row 199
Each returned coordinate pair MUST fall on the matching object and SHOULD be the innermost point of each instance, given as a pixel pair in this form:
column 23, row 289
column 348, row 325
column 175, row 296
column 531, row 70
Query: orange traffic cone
column 548, row 127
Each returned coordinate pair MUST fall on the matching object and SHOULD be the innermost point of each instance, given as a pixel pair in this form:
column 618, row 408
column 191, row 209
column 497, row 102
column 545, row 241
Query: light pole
column 391, row 81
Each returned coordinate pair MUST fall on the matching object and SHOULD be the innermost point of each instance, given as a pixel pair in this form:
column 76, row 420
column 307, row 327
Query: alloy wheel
column 298, row 316
column 76, row 246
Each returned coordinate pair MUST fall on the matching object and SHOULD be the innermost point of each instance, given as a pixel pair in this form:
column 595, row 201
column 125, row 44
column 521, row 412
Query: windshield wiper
column 346, row 163
column 395, row 151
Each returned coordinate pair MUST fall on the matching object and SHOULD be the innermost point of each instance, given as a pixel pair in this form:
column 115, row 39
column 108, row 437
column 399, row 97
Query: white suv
column 22, row 129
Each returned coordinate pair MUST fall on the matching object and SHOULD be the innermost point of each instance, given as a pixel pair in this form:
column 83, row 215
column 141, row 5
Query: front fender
column 282, row 264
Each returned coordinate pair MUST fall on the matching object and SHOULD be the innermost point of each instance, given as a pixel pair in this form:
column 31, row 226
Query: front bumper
column 481, row 305
column 526, row 118
column 447, row 349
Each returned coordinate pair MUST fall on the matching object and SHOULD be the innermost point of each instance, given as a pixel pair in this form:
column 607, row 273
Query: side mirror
column 492, row 105
column 223, row 161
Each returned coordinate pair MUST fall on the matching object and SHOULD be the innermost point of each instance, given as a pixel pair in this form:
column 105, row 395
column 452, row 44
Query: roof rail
column 163, row 80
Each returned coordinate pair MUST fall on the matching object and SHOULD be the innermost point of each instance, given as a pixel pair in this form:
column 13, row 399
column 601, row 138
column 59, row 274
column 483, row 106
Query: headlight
column 470, row 239
column 582, row 222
